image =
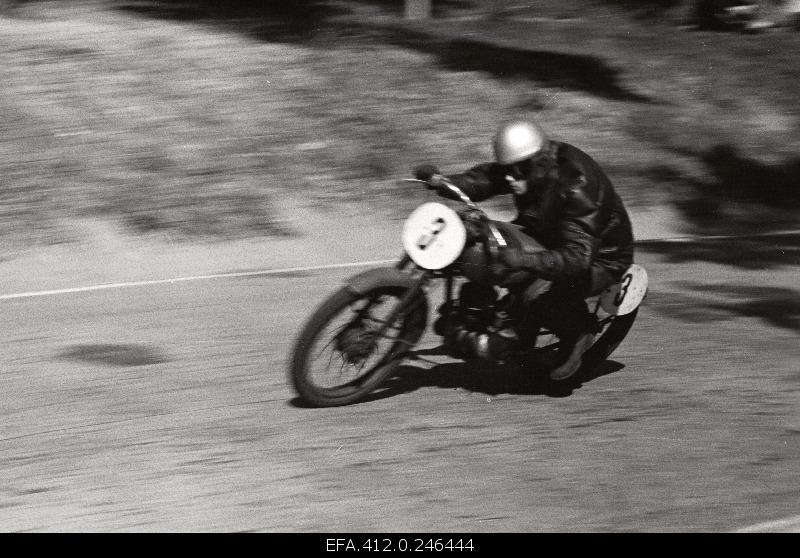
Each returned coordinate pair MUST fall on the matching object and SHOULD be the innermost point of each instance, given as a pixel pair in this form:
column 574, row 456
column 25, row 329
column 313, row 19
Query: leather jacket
column 573, row 211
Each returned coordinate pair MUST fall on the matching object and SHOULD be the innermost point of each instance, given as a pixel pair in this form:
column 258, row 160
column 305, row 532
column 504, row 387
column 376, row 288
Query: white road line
column 105, row 286
column 683, row 239
column 788, row 525
column 191, row 278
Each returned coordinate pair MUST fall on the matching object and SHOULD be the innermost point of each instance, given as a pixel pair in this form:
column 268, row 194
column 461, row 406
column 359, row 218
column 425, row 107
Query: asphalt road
column 166, row 407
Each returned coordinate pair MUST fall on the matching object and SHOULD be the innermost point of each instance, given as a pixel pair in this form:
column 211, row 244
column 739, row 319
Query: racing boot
column 567, row 315
column 571, row 351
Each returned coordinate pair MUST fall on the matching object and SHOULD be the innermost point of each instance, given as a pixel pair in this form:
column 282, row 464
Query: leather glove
column 429, row 173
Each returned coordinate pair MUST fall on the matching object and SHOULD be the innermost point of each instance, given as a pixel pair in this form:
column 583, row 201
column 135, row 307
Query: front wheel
column 348, row 348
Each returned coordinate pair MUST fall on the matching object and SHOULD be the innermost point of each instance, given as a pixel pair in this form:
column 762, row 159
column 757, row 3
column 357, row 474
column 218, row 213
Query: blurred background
column 153, row 139
column 193, row 119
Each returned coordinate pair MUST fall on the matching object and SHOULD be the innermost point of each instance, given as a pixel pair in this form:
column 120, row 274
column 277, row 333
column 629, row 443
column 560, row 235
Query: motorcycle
column 361, row 333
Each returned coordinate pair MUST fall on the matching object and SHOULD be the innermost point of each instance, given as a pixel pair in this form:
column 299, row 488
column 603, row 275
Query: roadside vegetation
column 192, row 119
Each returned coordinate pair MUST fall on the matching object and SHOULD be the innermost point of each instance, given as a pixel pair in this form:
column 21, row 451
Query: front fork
column 449, row 282
column 405, row 306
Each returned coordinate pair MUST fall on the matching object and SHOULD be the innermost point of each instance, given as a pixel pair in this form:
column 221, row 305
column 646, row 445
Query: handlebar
column 496, row 237
column 453, row 188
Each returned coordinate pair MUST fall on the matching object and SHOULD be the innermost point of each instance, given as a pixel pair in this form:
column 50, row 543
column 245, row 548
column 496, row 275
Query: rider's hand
column 429, row 174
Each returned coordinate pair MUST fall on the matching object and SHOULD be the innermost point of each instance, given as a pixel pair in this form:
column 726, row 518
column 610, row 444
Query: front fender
column 363, row 282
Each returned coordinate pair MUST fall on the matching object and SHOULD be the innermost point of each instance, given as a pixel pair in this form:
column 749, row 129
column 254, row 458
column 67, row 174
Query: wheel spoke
column 373, row 338
column 332, row 340
column 343, row 365
column 330, row 359
column 364, row 337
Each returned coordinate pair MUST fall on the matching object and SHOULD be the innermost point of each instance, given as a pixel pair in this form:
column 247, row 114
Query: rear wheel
column 608, row 340
column 348, row 348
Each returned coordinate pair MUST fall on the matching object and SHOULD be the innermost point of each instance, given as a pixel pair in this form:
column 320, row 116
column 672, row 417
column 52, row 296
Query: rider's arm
column 579, row 231
column 480, row 182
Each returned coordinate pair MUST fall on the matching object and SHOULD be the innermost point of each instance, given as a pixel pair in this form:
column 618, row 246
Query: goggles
column 522, row 170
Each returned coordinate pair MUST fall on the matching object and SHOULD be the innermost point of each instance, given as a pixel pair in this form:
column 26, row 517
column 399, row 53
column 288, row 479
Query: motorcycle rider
column 572, row 237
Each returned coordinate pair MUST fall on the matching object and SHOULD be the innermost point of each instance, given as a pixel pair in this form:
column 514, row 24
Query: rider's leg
column 562, row 309
column 559, row 306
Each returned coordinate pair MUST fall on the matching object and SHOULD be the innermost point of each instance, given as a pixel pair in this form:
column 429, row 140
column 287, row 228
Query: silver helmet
column 517, row 141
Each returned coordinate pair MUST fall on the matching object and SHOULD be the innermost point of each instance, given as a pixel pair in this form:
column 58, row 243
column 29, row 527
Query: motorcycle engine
column 477, row 306
column 475, row 265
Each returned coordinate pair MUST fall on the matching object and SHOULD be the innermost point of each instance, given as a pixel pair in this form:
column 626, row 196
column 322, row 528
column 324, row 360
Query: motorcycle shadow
column 482, row 377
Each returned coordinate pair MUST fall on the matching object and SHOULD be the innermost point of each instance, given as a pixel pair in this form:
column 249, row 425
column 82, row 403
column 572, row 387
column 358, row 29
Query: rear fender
column 626, row 296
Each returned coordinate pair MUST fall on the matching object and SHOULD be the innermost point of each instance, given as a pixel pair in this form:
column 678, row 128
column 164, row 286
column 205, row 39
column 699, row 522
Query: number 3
column 429, row 236
column 626, row 282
